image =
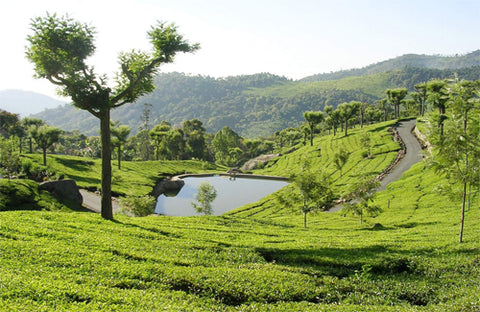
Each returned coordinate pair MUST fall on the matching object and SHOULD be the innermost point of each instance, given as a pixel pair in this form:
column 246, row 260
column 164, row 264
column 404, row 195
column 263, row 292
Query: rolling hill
column 258, row 105
column 25, row 102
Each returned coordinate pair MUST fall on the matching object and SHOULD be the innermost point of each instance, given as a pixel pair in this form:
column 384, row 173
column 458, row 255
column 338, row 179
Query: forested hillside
column 253, row 105
column 407, row 60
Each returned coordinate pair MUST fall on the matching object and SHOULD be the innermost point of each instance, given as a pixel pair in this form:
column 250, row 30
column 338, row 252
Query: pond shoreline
column 231, row 175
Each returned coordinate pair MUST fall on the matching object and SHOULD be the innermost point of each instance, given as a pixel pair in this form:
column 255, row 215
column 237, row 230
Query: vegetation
column 59, row 48
column 140, row 206
column 403, row 256
column 253, row 106
column 410, row 262
column 205, row 197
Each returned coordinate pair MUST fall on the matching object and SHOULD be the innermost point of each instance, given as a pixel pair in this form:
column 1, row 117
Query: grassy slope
column 320, row 155
column 375, row 85
column 412, row 262
column 135, row 177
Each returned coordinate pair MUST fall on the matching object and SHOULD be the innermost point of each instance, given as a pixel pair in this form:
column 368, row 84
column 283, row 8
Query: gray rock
column 63, row 189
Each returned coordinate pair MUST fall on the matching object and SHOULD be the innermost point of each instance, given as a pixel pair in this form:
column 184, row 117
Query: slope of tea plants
column 79, row 262
column 135, row 178
column 405, row 259
column 380, row 147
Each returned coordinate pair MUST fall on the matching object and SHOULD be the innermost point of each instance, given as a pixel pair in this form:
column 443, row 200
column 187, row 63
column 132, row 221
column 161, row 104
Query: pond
column 231, row 193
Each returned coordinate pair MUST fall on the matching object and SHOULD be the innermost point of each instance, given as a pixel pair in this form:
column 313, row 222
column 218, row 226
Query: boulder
column 63, row 189
column 170, row 186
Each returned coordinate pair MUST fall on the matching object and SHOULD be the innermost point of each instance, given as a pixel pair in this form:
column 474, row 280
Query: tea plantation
column 256, row 258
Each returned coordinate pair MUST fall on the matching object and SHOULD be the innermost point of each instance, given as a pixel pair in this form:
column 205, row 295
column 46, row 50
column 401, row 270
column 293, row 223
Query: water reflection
column 233, row 192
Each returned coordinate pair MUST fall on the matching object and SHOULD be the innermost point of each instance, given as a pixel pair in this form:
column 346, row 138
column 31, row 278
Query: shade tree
column 395, row 97
column 45, row 136
column 313, row 119
column 59, row 48
column 120, row 135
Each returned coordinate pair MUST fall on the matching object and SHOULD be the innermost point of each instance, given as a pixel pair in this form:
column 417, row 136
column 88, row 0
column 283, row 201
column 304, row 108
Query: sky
column 291, row 38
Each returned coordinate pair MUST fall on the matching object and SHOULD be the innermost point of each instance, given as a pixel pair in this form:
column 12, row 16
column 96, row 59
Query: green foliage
column 362, row 194
column 227, row 145
column 205, row 197
column 9, row 156
column 24, row 195
column 137, row 178
column 139, row 206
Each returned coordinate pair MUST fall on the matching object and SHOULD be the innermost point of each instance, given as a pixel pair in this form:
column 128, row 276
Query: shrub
column 139, row 206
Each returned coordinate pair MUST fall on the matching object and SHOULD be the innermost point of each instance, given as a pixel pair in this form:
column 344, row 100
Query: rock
column 63, row 189
column 253, row 163
column 171, row 186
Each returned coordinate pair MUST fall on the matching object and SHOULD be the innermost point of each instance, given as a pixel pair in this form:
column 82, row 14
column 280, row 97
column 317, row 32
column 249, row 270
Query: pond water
column 231, row 194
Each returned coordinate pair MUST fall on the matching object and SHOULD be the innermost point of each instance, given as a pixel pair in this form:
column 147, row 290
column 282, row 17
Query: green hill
column 408, row 60
column 254, row 105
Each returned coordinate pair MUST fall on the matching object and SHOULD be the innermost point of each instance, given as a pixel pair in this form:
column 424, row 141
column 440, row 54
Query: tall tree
column 194, row 138
column 45, row 136
column 158, row 134
column 7, row 122
column 395, row 96
column 340, row 159
column 314, row 188
column 334, row 116
column 30, row 123
column 437, row 95
column 362, row 109
column 227, row 144
column 313, row 119
column 421, row 96
column 120, row 134
column 383, row 105
column 457, row 151
column 347, row 111
column 59, row 48
column 144, row 144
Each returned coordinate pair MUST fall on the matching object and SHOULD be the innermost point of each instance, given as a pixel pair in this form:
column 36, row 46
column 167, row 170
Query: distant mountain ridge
column 408, row 60
column 26, row 102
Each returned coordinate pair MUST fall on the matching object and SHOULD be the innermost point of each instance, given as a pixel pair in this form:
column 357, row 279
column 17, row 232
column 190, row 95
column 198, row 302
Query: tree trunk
column 462, row 219
column 346, row 126
column 31, row 145
column 311, row 136
column 44, row 156
column 305, row 220
column 119, row 151
column 107, row 211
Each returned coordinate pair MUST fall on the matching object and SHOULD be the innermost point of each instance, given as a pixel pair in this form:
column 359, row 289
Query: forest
column 253, row 106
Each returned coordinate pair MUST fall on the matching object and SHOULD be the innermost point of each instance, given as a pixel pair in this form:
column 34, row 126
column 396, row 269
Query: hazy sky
column 292, row 38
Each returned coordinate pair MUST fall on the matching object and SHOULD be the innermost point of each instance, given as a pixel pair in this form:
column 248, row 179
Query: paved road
column 412, row 155
column 92, row 201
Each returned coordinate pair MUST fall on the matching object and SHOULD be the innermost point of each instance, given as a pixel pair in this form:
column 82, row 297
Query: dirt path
column 92, row 201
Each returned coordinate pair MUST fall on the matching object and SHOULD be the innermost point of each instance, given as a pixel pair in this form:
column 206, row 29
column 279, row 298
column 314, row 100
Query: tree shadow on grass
column 77, row 165
column 345, row 262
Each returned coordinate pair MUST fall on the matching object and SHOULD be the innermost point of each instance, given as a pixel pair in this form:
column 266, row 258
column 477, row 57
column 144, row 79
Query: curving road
column 412, row 156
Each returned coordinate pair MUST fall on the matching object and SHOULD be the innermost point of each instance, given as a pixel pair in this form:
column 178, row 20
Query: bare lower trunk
column 107, row 211
column 462, row 219
column 119, row 157
column 44, row 156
